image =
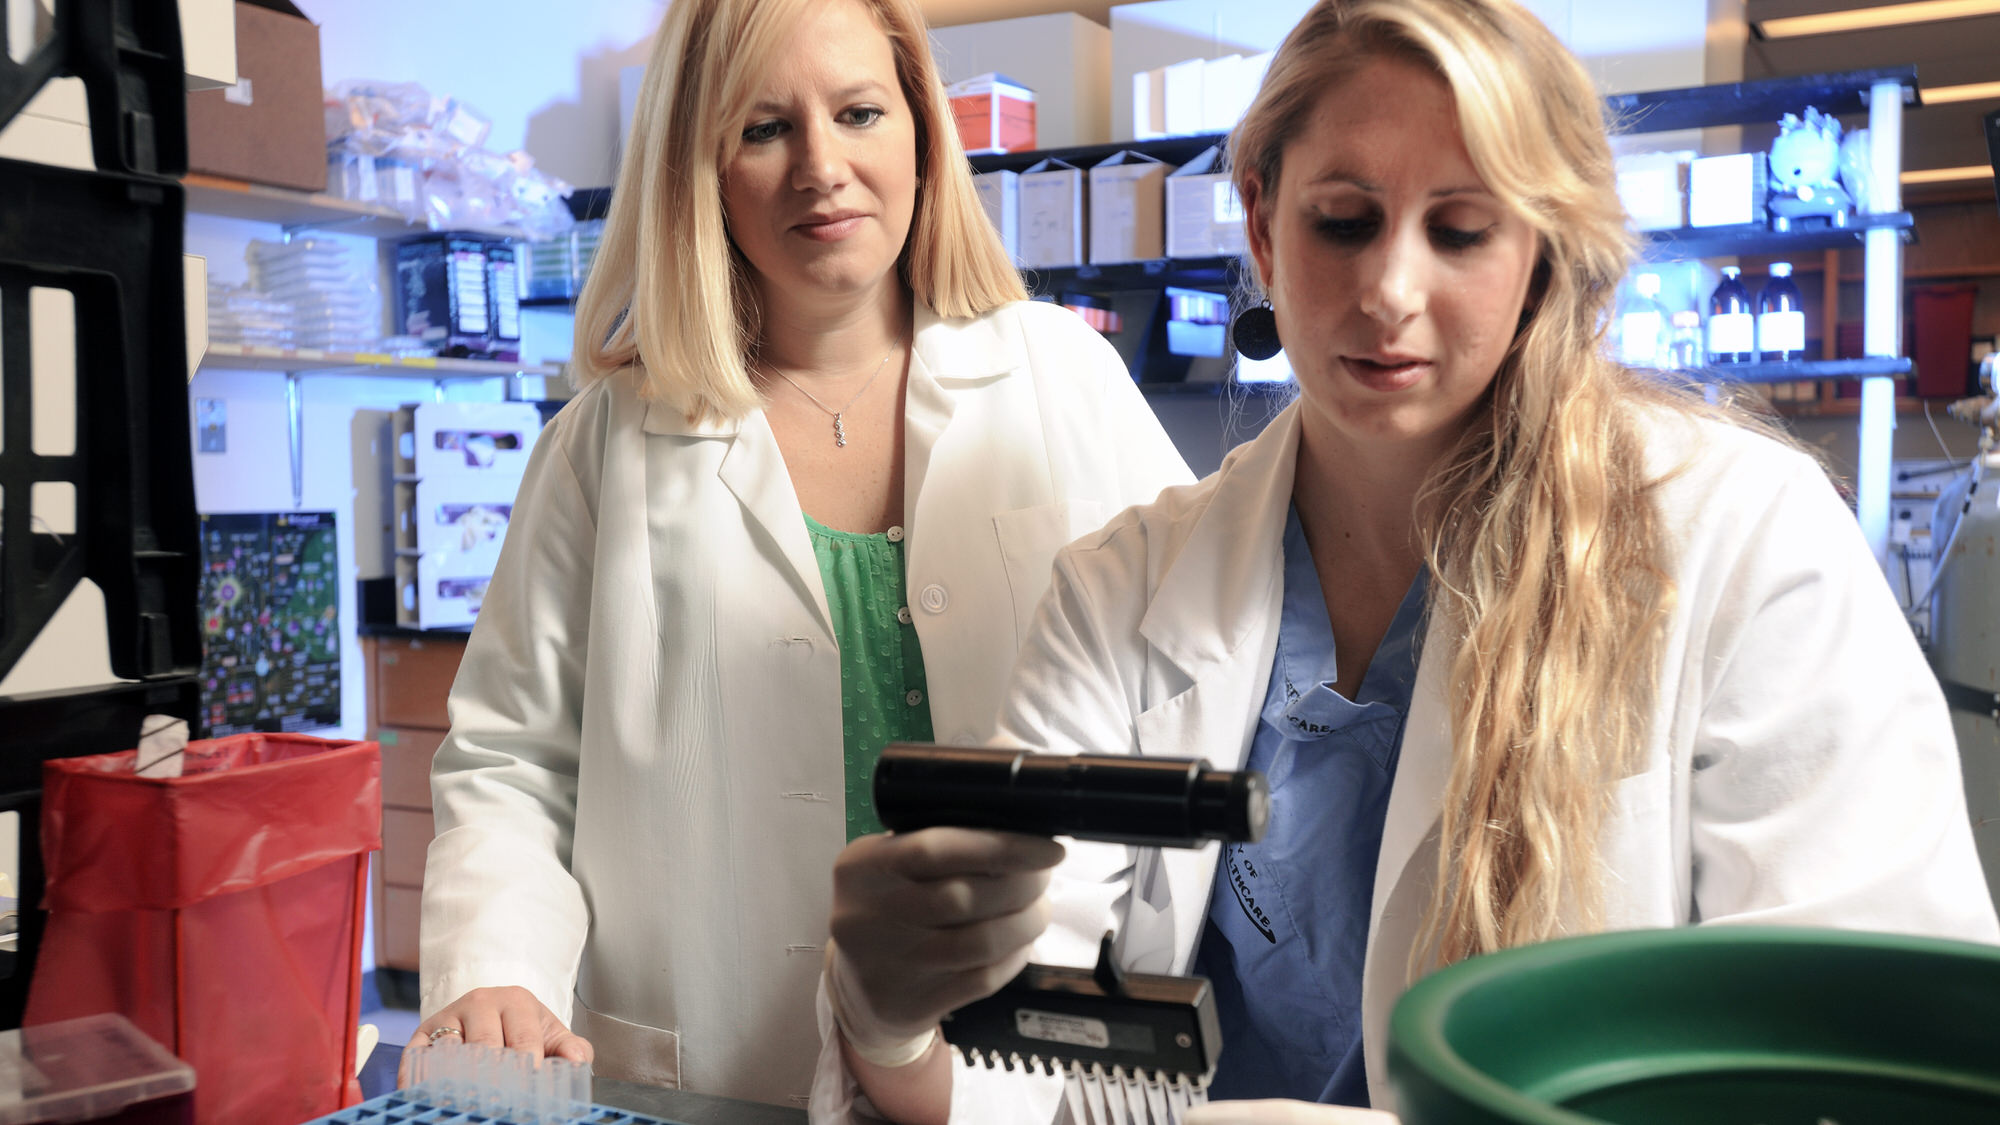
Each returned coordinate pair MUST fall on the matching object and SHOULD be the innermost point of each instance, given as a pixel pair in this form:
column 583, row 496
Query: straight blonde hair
column 670, row 300
column 1540, row 527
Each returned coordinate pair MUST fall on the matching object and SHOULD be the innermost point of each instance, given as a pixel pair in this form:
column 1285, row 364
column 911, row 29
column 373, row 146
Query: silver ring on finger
column 438, row 1033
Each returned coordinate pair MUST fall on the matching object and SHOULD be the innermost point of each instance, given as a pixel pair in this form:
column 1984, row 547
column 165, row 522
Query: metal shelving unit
column 301, row 210
column 1756, row 238
column 1884, row 93
column 1188, row 273
column 297, row 363
column 1869, row 368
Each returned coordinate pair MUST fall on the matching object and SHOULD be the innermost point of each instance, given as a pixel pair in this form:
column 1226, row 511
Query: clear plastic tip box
column 99, row 1068
column 456, row 1084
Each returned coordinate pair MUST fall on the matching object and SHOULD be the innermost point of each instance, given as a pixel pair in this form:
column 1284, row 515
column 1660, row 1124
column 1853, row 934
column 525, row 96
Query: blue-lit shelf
column 1689, row 243
column 1758, row 102
column 1806, row 369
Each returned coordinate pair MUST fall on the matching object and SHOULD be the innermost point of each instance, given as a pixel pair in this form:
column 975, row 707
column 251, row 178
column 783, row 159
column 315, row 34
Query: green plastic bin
column 1718, row 1025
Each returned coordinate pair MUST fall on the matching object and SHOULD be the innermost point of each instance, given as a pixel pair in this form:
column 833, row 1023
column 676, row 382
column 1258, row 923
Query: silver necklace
column 839, row 430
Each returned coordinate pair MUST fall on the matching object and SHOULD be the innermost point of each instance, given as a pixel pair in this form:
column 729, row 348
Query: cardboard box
column 270, row 127
column 1726, row 190
column 1065, row 58
column 405, row 536
column 1127, row 200
column 994, row 114
column 1653, row 188
column 1000, row 194
column 1054, row 221
column 1204, row 214
column 469, row 439
column 403, row 442
column 406, row 592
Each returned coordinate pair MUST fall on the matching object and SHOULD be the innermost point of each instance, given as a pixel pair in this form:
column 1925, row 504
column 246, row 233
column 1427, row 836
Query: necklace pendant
column 839, row 432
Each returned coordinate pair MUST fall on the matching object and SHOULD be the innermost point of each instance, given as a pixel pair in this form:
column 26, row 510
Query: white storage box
column 1127, row 200
column 1726, row 190
column 458, row 517
column 1183, row 83
column 458, row 526
column 1000, row 194
column 1204, row 215
column 449, row 591
column 475, row 438
column 1054, row 221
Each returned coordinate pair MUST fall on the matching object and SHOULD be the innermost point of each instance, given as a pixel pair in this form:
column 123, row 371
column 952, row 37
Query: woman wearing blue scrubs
column 1528, row 643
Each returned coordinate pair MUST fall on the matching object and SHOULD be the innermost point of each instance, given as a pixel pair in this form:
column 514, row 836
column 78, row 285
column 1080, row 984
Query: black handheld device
column 1134, row 1049
column 1158, row 802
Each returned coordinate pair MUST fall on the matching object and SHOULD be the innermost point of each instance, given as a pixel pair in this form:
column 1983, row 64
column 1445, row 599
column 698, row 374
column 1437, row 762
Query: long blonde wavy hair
column 1542, row 535
column 670, row 299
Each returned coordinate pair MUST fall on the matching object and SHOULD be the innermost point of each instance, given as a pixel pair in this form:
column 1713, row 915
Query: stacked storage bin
column 457, row 466
column 335, row 302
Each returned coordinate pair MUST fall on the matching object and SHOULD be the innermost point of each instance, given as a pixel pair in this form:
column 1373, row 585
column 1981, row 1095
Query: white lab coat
column 1801, row 768
column 642, row 793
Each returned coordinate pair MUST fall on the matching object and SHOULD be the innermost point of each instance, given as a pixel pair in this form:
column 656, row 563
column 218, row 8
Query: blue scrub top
column 1288, row 923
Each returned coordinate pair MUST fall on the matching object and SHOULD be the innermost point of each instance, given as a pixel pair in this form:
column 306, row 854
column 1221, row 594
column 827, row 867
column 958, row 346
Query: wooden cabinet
column 409, row 678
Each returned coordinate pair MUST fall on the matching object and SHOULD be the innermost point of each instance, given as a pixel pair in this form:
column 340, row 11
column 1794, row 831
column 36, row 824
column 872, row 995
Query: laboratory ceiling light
column 1861, row 19
column 1948, row 175
column 1971, row 92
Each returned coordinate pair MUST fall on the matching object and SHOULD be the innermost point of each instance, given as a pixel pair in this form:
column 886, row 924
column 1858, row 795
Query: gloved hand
column 924, row 922
column 1278, row 1111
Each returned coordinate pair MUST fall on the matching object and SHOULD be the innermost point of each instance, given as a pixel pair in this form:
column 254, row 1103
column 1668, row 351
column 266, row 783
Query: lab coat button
column 934, row 598
column 914, row 698
column 903, row 615
column 895, row 535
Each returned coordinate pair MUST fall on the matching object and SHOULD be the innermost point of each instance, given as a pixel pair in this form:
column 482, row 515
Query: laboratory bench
column 689, row 1108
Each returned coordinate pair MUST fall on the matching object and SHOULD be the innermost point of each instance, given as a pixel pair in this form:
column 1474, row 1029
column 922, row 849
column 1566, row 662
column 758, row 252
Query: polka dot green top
column 883, row 696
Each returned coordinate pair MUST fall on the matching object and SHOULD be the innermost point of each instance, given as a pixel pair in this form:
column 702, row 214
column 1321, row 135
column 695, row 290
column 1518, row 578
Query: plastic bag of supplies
column 220, row 911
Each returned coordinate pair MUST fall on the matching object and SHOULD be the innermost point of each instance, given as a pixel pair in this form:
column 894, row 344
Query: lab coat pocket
column 1029, row 539
column 629, row 1052
column 1636, row 852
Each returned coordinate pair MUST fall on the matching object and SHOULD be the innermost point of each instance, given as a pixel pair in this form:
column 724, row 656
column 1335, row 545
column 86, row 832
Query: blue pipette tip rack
column 413, row 1107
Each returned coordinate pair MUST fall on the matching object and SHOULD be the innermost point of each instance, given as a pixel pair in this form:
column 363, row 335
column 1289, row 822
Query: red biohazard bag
column 220, row 911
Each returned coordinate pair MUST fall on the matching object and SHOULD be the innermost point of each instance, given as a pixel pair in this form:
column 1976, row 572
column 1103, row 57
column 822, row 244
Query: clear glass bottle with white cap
column 1643, row 335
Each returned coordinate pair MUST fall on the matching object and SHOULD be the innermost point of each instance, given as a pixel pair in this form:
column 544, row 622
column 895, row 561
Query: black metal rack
column 1759, row 101
column 111, row 239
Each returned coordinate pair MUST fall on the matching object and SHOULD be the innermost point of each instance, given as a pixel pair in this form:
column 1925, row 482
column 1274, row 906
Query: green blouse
column 883, row 696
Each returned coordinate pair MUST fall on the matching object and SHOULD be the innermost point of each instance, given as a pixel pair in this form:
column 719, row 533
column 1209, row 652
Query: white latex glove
column 924, row 922
column 1278, row 1111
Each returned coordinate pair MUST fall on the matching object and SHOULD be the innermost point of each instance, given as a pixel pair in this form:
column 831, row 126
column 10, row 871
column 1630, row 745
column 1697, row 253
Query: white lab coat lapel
column 1405, row 864
column 1213, row 624
column 951, row 362
column 754, row 472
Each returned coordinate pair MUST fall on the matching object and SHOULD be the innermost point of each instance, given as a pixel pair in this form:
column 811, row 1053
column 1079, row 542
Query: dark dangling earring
column 1255, row 332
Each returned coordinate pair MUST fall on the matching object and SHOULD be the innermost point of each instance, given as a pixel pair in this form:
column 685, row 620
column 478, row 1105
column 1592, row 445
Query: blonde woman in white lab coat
column 806, row 504
column 1577, row 652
